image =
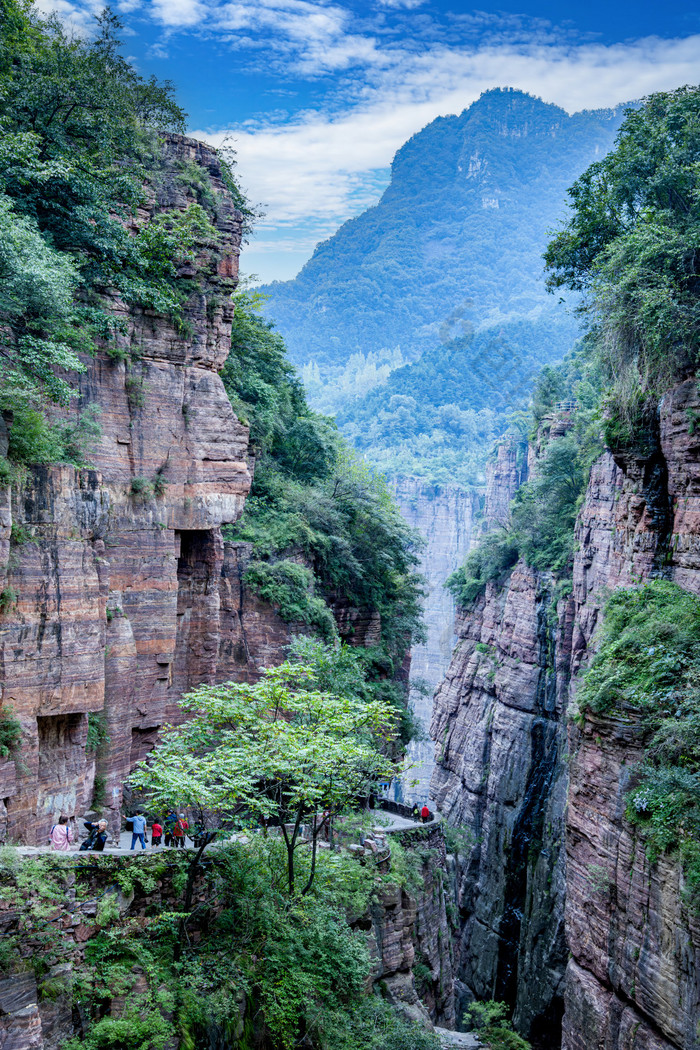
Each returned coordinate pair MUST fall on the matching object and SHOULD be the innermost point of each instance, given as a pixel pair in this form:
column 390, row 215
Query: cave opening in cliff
column 199, row 564
column 62, row 740
column 196, row 556
column 142, row 741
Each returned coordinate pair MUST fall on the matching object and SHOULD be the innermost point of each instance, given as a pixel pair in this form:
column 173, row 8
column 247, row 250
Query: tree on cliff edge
column 632, row 246
column 277, row 752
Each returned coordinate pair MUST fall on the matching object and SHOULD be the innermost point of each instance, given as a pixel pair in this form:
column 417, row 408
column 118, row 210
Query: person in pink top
column 61, row 836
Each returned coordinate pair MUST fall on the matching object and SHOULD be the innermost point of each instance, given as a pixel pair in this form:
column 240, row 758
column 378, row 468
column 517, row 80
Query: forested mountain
column 440, row 286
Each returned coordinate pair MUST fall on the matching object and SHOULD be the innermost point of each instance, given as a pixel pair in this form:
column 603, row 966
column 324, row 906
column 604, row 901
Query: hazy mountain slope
column 465, row 217
column 422, row 322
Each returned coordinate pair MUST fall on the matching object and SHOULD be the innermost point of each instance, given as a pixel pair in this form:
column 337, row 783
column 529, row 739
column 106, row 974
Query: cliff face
column 37, row 1009
column 631, row 982
column 121, row 593
column 444, row 515
column 499, row 776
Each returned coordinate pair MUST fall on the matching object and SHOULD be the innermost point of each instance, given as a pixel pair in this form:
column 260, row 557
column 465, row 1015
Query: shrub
column 289, row 587
column 648, row 667
column 8, row 599
column 10, row 732
column 495, row 555
column 141, row 489
column 490, row 1020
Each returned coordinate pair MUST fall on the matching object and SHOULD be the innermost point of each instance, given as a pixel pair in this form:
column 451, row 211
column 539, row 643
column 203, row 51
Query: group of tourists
column 175, row 826
column 62, row 835
column 175, row 829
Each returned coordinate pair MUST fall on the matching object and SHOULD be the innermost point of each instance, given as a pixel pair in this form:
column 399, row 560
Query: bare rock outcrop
column 112, row 575
column 631, row 981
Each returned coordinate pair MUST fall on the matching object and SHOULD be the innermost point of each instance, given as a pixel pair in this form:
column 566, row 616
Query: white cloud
column 389, row 74
column 322, row 167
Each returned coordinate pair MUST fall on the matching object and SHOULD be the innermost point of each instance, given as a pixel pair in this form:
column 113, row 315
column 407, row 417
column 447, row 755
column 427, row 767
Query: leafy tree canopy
column 281, row 751
column 631, row 244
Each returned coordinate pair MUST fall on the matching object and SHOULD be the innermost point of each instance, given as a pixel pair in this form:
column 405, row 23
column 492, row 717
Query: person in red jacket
column 156, row 833
column 425, row 814
column 180, row 830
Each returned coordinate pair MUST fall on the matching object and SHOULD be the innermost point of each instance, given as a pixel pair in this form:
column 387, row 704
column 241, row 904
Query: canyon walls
column 632, row 979
column 444, row 515
column 499, row 778
column 560, row 907
column 119, row 593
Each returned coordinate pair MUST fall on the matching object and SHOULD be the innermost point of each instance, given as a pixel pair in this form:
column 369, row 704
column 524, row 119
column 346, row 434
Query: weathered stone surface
column 410, row 927
column 499, row 778
column 20, row 1022
column 632, row 979
column 118, row 569
column 444, row 515
column 506, row 473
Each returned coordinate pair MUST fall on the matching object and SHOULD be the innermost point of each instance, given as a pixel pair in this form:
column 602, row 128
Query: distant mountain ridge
column 436, row 294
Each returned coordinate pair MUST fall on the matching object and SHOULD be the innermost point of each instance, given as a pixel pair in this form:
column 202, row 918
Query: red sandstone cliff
column 631, row 982
column 126, row 593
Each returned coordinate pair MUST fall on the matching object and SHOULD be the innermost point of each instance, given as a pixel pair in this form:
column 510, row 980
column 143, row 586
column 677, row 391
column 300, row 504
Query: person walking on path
column 180, row 830
column 170, row 822
column 138, row 829
column 97, row 835
column 425, row 814
column 61, row 835
column 156, row 832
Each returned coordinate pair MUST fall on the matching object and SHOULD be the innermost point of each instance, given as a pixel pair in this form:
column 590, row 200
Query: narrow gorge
column 223, row 625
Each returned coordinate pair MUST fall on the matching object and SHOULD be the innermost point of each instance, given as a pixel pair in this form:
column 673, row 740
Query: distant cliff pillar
column 444, row 514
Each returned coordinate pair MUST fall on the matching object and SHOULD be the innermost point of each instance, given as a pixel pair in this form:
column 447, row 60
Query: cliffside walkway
column 388, row 822
column 450, row 1040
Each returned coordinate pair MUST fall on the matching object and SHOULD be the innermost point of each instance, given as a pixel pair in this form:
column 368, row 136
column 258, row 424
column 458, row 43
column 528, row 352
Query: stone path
column 450, row 1039
column 392, row 822
column 388, row 822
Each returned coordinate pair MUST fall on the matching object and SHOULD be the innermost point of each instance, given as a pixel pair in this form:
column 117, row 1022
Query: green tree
column 631, row 244
column 279, row 751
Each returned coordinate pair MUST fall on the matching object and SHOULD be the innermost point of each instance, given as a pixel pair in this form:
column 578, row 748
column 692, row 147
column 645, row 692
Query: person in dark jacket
column 97, row 835
column 170, row 822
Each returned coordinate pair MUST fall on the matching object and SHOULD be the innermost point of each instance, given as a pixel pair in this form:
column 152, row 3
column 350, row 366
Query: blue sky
column 317, row 95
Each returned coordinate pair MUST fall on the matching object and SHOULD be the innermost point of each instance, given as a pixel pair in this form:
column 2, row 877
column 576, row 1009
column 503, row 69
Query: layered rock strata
column 113, row 576
column 631, row 982
column 403, row 928
column 445, row 517
column 499, row 778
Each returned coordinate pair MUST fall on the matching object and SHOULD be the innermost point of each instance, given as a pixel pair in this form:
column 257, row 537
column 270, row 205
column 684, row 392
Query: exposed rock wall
column 631, row 982
column 499, row 777
column 402, row 928
column 118, row 570
column 444, row 515
column 633, row 979
column 410, row 927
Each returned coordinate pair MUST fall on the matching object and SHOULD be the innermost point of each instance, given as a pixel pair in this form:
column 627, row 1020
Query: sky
column 316, row 96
